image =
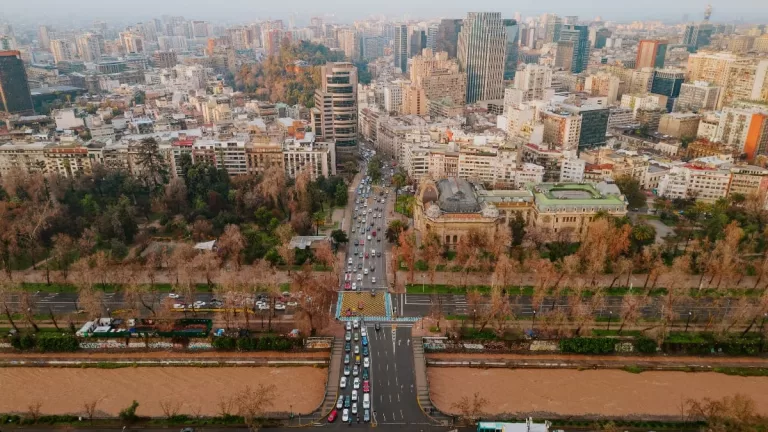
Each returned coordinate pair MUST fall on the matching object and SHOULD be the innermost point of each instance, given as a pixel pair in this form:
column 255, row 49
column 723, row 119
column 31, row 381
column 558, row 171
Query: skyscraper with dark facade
column 400, row 49
column 668, row 83
column 15, row 97
column 512, row 30
column 579, row 35
column 447, row 38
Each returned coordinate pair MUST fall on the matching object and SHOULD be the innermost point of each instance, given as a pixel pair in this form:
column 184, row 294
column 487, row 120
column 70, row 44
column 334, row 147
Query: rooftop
column 457, row 196
column 568, row 194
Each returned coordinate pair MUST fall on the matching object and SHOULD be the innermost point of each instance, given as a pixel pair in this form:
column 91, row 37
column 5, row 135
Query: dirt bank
column 602, row 392
column 64, row 391
column 202, row 355
column 635, row 359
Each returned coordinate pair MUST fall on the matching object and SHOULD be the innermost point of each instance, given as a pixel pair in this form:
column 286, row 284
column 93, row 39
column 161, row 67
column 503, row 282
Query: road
column 456, row 304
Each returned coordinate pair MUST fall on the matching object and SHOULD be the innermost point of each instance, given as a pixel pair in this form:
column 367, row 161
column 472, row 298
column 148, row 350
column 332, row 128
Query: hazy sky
column 347, row 10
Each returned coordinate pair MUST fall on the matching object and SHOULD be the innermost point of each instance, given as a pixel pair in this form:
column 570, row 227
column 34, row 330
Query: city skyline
column 79, row 11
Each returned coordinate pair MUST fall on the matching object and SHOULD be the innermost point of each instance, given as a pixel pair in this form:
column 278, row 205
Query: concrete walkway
column 422, row 385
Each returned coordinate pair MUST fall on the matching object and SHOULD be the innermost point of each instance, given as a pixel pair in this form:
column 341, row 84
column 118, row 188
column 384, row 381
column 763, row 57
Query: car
column 366, row 255
column 367, row 401
column 365, row 341
column 345, row 415
column 263, row 306
column 354, row 286
column 360, row 266
column 369, row 237
column 377, row 326
column 292, row 303
column 356, row 242
column 356, row 323
column 365, row 271
column 357, row 349
column 198, row 304
column 355, row 369
column 349, row 268
column 373, row 233
column 366, row 386
column 340, row 403
column 356, row 383
column 373, row 279
column 368, row 228
column 357, row 359
column 359, row 276
column 216, row 303
column 347, row 336
column 348, row 276
column 378, row 254
column 347, row 347
column 179, row 306
column 366, row 415
column 349, row 326
column 347, row 401
column 347, row 286
column 366, row 362
column 173, row 295
column 343, row 382
column 332, row 416
column 365, row 373
column 378, row 239
column 354, row 395
column 354, row 408
column 365, row 351
column 357, row 336
column 279, row 306
column 346, row 359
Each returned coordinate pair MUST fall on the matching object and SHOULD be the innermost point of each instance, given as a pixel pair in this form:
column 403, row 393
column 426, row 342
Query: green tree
column 339, row 236
column 152, row 163
column 631, row 190
column 394, row 229
column 341, row 196
column 517, row 227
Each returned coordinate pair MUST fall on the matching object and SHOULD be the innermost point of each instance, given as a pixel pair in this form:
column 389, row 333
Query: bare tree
column 34, row 411
column 231, row 244
column 7, row 292
column 207, row 263
column 90, row 409
column 170, row 408
column 470, row 409
column 227, row 405
column 737, row 413
column 253, row 403
column 631, row 308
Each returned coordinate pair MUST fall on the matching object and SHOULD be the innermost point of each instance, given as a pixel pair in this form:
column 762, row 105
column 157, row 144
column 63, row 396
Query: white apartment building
column 572, row 170
column 307, row 153
column 697, row 96
column 647, row 101
column 229, row 155
column 695, row 180
column 532, row 82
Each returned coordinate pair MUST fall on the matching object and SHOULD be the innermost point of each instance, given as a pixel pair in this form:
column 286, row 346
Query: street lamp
column 422, row 283
column 610, row 316
column 688, row 321
column 474, row 316
column 533, row 320
column 109, row 313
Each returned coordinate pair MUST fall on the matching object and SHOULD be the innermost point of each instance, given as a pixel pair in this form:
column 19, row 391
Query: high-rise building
column 44, row 37
column 400, row 48
column 164, row 59
column 553, row 27
column 594, row 124
column 598, row 37
column 651, row 53
column 512, row 31
column 417, row 42
column 439, row 77
column 373, row 47
column 349, row 42
column 481, row 51
column 667, row 82
column 447, row 38
column 62, row 50
column 334, row 116
column 432, row 36
column 15, row 97
column 89, row 48
column 564, row 55
column 697, row 36
column 579, row 35
column 697, row 96
column 132, row 42
column 532, row 83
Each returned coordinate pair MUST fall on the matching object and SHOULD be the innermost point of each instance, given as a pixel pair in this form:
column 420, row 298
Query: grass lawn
column 67, row 288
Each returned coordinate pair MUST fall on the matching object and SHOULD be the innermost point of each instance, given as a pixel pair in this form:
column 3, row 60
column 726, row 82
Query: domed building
column 451, row 207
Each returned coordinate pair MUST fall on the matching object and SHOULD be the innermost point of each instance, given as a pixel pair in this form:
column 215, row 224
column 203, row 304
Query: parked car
column 366, row 415
column 340, row 403
column 345, row 415
column 343, row 382
column 332, row 416
column 173, row 295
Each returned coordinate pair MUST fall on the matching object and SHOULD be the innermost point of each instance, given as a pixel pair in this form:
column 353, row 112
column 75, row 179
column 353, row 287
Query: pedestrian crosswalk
column 457, row 301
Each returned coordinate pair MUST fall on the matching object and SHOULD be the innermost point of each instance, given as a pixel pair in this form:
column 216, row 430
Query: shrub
column 57, row 343
column 129, row 414
column 646, row 345
column 224, row 343
column 582, row 345
column 23, row 342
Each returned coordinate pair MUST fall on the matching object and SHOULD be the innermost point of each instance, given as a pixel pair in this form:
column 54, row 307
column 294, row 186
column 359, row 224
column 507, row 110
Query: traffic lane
column 454, row 304
column 394, row 381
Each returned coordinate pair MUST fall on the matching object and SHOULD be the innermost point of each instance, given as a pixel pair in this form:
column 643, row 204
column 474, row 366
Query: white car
column 366, row 362
column 348, row 326
column 355, row 323
column 293, row 303
column 365, row 271
column 363, row 332
column 354, row 286
column 354, row 395
column 279, row 306
column 340, row 403
column 366, row 400
column 348, row 336
column 179, row 306
column 354, row 406
column 343, row 382
column 173, row 295
column 263, row 306
column 198, row 304
column 373, row 279
column 369, row 237
column 359, row 276
column 356, row 383
column 345, row 415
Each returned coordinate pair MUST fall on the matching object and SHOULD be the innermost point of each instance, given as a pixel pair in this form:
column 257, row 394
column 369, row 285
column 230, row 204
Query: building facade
column 481, row 52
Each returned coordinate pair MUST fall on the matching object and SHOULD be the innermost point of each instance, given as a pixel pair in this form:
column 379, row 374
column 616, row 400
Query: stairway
column 334, row 374
column 422, row 385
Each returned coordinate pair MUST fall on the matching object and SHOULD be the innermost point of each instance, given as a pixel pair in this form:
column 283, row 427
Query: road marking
column 390, row 398
column 401, row 415
column 398, row 397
